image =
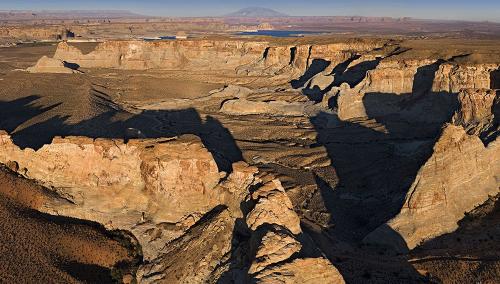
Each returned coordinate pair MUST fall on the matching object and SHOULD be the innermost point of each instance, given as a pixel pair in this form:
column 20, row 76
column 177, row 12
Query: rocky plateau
column 234, row 160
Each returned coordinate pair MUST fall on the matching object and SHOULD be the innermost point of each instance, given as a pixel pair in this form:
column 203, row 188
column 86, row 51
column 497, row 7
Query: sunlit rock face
column 460, row 175
column 302, row 155
column 123, row 185
column 50, row 65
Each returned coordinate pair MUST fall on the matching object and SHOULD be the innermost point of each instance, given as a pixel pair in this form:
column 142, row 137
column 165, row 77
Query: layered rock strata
column 461, row 174
column 169, row 194
column 133, row 186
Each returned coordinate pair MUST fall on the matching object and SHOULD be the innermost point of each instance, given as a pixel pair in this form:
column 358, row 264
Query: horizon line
column 225, row 15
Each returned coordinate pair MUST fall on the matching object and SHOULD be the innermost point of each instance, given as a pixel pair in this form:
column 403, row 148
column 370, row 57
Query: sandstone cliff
column 460, row 175
column 169, row 194
column 246, row 57
column 123, row 185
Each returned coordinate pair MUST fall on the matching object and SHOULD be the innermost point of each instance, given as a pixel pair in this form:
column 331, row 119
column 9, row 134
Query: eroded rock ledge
column 462, row 173
column 171, row 196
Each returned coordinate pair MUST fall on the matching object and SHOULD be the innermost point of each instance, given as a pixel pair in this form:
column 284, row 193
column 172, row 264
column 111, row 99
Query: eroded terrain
column 305, row 160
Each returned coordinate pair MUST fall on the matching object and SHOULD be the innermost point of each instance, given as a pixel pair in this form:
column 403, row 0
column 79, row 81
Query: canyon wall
column 247, row 57
column 171, row 196
column 122, row 185
column 462, row 173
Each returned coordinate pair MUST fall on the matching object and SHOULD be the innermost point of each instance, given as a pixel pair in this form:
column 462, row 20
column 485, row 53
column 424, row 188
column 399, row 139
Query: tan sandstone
column 460, row 175
column 50, row 65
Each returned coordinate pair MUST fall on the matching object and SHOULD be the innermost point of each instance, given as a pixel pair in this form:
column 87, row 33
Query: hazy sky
column 429, row 9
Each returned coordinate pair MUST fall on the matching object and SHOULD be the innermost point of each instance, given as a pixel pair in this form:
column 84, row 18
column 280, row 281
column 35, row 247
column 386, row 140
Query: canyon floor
column 223, row 160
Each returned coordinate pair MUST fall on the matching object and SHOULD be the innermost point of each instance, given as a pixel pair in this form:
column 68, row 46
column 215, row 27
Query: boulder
column 275, row 246
column 304, row 271
column 273, row 207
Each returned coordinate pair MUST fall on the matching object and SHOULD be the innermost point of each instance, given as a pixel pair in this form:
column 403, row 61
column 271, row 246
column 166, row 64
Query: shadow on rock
column 495, row 79
column 118, row 124
column 376, row 159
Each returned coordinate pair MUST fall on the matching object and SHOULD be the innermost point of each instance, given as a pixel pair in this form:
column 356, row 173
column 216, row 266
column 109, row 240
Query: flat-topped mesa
column 409, row 87
column 248, row 57
column 414, row 76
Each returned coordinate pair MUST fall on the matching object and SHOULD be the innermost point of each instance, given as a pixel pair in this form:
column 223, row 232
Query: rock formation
column 152, row 179
column 166, row 190
column 303, row 152
column 51, row 65
column 244, row 56
column 478, row 111
column 460, row 175
column 311, row 270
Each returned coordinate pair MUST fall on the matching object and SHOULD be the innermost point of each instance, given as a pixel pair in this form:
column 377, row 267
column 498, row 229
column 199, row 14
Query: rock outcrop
column 461, row 174
column 169, row 194
column 399, row 76
column 309, row 270
column 275, row 246
column 133, row 186
column 51, row 65
column 273, row 207
column 281, row 108
column 478, row 111
column 246, row 57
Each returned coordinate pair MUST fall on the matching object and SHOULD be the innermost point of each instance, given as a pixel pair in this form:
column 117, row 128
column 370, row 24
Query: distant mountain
column 66, row 14
column 256, row 12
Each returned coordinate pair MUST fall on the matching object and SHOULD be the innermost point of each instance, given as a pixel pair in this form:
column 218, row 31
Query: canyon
column 259, row 160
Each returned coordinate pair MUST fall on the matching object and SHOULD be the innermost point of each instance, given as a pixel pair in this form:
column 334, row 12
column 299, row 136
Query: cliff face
column 157, row 180
column 250, row 58
column 169, row 194
column 461, row 174
column 398, row 77
column 366, row 67
column 478, row 112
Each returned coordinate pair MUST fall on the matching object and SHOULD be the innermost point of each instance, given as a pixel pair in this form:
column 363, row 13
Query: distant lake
column 159, row 38
column 278, row 33
column 167, row 37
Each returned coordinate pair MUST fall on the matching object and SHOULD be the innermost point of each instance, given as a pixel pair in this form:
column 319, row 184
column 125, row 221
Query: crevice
column 293, row 54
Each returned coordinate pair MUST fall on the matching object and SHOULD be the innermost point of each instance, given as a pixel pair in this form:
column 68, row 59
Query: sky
column 477, row 10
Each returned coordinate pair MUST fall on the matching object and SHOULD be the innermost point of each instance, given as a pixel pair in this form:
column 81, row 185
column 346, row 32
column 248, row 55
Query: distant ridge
column 65, row 14
column 256, row 12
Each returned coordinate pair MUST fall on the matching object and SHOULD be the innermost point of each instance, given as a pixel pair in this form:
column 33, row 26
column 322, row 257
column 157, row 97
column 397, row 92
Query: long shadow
column 495, row 79
column 148, row 124
column 118, row 125
column 317, row 66
column 377, row 165
column 340, row 74
column 354, row 75
column 16, row 112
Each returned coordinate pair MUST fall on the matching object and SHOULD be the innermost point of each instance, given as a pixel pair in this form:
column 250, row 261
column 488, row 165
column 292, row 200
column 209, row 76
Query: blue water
column 160, row 38
column 167, row 37
column 278, row 33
